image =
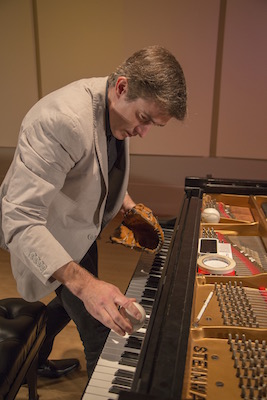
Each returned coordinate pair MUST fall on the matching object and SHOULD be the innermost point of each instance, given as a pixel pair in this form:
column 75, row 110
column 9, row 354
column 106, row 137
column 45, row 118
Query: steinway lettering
column 199, row 373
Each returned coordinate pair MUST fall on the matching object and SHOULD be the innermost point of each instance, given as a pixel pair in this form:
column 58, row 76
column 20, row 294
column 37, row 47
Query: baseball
column 210, row 215
column 137, row 324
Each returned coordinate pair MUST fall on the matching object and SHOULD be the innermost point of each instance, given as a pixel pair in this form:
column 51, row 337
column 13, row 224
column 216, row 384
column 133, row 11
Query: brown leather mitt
column 139, row 230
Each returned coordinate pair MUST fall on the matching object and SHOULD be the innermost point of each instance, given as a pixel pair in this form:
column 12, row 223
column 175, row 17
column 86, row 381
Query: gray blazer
column 56, row 196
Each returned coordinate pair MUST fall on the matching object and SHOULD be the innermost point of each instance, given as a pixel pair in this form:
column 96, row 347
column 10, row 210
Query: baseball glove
column 139, row 230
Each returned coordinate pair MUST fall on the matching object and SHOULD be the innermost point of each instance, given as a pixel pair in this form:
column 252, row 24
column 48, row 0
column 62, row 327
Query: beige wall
column 78, row 39
column 242, row 129
column 221, row 45
column 189, row 29
column 18, row 73
column 81, row 38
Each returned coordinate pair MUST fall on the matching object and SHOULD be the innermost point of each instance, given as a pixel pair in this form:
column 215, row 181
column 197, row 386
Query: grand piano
column 206, row 327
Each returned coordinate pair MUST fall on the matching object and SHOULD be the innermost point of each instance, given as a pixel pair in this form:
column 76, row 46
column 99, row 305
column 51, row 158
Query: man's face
column 132, row 118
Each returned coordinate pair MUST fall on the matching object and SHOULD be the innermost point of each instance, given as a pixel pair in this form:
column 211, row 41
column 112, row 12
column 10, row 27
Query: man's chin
column 121, row 135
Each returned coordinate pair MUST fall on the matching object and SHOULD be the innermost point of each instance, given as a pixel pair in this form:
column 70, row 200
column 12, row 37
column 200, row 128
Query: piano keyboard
column 117, row 364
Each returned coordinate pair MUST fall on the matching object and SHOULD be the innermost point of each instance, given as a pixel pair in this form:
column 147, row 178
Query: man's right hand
column 101, row 299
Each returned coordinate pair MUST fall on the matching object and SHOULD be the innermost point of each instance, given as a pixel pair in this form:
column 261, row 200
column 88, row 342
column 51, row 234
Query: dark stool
column 22, row 331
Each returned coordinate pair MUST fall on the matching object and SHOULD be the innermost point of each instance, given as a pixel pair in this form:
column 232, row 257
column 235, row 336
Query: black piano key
column 128, row 361
column 156, row 275
column 147, row 302
column 134, row 343
column 153, row 282
column 149, row 293
column 129, row 358
column 118, row 381
column 159, row 261
column 124, row 373
column 138, row 335
column 156, row 267
column 159, row 258
column 156, row 271
column 117, row 389
column 130, row 355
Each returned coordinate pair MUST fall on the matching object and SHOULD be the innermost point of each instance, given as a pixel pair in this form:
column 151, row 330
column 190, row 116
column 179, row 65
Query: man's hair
column 154, row 73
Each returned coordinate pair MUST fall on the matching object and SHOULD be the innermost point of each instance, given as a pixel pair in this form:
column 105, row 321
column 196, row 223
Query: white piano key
column 104, row 396
column 98, row 391
column 104, row 369
column 93, row 396
column 115, row 365
column 105, row 373
column 116, row 353
column 104, row 376
column 100, row 383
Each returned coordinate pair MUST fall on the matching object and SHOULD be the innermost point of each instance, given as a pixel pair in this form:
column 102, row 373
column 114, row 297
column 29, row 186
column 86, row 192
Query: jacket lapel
column 99, row 131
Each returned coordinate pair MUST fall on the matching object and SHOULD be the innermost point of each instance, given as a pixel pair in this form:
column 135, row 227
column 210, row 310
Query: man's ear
column 121, row 86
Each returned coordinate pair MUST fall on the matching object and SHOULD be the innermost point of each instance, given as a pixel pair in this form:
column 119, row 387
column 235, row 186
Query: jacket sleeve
column 46, row 152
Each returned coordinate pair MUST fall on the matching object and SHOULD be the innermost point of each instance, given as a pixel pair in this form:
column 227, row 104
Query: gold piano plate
column 238, row 302
column 254, row 281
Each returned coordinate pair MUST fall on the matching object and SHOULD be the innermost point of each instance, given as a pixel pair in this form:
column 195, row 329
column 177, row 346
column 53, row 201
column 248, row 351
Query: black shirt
column 113, row 144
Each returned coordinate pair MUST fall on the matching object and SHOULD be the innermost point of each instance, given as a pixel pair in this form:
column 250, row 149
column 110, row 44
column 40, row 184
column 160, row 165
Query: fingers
column 124, row 318
column 118, row 319
column 102, row 301
column 132, row 308
column 136, row 323
column 118, row 324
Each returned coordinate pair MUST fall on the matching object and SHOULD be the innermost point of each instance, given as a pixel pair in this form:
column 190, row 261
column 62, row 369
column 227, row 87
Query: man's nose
column 142, row 130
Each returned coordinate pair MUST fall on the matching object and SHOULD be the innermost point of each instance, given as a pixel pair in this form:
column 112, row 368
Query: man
column 68, row 179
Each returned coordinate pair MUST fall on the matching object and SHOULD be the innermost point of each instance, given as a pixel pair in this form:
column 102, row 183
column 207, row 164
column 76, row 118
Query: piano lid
column 229, row 186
